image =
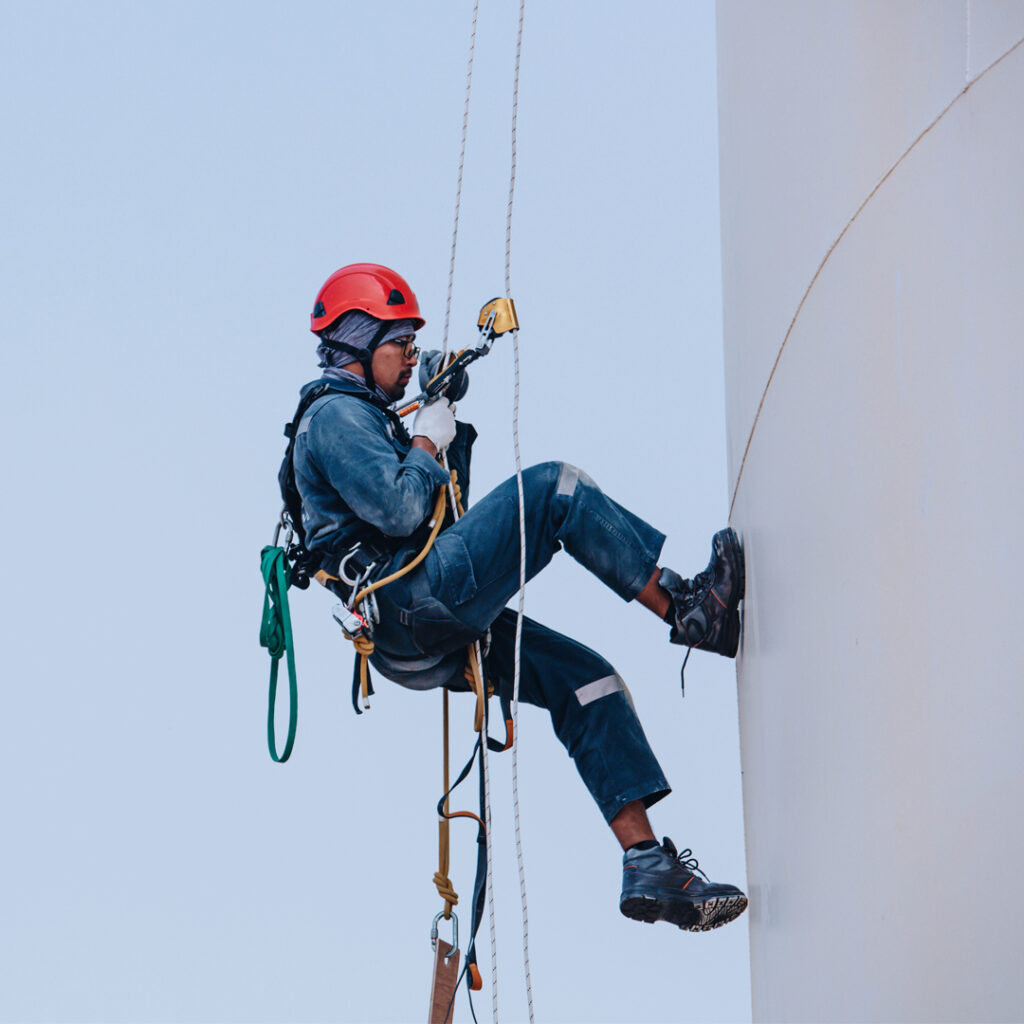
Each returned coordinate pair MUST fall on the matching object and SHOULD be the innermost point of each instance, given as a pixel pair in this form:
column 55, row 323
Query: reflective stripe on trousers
column 473, row 571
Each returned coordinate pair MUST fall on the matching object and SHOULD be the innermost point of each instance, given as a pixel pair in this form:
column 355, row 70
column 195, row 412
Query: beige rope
column 444, row 884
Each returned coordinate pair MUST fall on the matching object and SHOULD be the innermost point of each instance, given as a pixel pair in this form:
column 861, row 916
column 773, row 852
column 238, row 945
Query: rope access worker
column 368, row 486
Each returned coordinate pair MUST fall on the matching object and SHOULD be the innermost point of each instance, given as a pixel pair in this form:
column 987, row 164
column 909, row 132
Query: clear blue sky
column 178, row 180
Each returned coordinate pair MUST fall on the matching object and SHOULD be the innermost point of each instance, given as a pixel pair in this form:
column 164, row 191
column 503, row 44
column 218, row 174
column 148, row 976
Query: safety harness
column 290, row 563
column 275, row 634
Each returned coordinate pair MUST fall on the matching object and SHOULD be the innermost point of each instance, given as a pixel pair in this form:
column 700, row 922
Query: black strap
column 480, row 882
column 476, row 913
column 355, row 682
column 318, row 390
column 286, row 474
column 364, row 356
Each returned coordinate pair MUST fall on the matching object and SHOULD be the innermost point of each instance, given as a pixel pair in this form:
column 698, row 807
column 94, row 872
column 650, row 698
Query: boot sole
column 691, row 917
column 731, row 635
column 730, row 643
column 740, row 566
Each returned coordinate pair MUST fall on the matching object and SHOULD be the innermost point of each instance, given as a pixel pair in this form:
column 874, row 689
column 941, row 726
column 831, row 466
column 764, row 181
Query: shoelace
column 704, row 580
column 687, row 860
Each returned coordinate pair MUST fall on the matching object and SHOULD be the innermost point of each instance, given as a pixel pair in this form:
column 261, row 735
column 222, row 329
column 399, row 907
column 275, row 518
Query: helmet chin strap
column 364, row 356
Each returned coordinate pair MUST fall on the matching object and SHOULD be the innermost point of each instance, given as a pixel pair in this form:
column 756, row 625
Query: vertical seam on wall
column 821, row 266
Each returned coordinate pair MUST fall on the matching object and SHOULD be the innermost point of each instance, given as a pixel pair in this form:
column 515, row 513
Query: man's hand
column 434, row 423
column 430, row 367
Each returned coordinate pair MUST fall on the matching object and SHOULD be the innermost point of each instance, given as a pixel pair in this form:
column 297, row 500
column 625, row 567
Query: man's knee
column 560, row 478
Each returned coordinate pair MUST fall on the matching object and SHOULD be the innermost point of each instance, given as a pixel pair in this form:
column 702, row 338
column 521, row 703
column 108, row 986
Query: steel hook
column 455, row 934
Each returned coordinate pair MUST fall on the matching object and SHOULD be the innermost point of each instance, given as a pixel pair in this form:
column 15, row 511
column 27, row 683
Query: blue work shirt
column 360, row 479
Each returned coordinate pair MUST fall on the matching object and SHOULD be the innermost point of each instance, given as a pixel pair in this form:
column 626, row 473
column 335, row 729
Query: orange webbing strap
column 509, row 736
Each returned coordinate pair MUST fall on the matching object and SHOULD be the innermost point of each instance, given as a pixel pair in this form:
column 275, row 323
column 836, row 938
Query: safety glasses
column 410, row 350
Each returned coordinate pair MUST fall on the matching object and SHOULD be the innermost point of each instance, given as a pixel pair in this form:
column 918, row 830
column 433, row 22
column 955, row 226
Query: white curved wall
column 880, row 500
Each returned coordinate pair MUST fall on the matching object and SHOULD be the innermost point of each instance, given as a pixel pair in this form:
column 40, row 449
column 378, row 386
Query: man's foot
column 703, row 612
column 660, row 884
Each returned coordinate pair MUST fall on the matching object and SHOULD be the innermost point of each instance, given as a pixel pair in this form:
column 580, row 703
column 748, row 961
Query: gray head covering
column 357, row 329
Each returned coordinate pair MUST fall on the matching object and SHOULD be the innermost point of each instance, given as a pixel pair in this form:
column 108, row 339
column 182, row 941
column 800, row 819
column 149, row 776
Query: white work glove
column 435, row 422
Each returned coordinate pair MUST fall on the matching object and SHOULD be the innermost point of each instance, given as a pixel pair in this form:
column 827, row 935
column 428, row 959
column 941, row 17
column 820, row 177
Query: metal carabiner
column 345, row 578
column 284, row 521
column 372, row 611
column 455, row 935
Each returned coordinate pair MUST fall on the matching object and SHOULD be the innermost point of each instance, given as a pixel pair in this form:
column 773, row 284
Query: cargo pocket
column 435, row 630
column 455, row 582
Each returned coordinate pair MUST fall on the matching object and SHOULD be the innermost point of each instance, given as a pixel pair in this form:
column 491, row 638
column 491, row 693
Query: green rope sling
column 276, row 636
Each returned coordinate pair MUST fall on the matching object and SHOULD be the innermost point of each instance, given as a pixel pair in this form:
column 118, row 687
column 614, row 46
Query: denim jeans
column 460, row 591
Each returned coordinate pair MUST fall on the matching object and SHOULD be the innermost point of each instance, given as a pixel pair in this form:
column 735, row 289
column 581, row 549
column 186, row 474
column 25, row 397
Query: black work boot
column 660, row 884
column 703, row 612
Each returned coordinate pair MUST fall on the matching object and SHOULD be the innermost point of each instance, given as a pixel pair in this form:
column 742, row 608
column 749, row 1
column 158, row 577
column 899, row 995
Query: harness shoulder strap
column 286, row 474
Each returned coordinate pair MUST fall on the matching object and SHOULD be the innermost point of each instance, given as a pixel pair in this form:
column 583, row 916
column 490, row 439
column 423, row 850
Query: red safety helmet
column 370, row 287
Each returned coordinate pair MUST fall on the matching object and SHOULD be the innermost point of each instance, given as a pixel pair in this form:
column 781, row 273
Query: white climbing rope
column 522, row 525
column 522, row 516
column 454, row 504
column 458, row 184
